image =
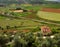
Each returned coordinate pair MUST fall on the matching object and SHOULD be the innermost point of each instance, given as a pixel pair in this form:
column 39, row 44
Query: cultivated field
column 33, row 28
column 49, row 15
column 4, row 22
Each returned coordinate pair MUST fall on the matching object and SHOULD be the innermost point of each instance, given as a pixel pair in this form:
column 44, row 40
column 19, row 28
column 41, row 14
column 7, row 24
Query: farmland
column 25, row 29
column 49, row 15
column 15, row 22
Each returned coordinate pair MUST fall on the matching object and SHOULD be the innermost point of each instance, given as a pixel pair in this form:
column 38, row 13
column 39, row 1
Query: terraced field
column 49, row 15
column 29, row 30
column 5, row 21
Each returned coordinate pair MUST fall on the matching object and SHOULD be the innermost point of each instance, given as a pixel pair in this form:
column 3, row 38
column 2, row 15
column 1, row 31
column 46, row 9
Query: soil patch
column 51, row 10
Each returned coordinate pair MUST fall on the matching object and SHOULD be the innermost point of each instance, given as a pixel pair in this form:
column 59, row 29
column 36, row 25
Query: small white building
column 18, row 11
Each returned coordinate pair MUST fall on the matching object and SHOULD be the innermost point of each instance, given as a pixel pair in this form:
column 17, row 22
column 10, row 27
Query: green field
column 12, row 22
column 25, row 29
column 49, row 15
column 5, row 21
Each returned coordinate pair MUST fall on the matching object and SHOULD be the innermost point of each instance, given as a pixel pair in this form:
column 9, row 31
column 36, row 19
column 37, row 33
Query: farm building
column 18, row 10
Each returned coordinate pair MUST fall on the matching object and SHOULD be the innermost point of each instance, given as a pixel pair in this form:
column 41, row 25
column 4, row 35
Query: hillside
column 25, row 1
column 20, row 1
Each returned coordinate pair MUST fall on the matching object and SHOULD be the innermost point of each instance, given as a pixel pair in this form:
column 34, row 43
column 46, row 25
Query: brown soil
column 51, row 10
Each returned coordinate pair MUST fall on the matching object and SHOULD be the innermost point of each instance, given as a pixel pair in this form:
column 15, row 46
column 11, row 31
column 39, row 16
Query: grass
column 36, row 8
column 21, row 14
column 22, row 24
column 49, row 15
column 4, row 21
column 56, row 6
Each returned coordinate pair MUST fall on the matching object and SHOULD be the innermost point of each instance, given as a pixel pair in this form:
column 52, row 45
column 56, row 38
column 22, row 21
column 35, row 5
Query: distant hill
column 22, row 1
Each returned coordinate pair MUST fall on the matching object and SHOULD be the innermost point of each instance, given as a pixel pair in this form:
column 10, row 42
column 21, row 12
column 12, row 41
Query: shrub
column 28, row 39
column 7, row 27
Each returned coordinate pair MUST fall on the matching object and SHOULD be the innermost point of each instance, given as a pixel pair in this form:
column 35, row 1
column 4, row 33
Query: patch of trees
column 21, row 39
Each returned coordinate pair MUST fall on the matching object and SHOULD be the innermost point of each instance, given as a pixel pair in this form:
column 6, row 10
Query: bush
column 28, row 39
column 7, row 27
